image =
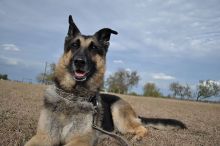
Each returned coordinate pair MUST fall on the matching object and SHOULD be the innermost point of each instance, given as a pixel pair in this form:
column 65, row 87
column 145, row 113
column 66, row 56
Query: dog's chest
column 75, row 125
column 72, row 117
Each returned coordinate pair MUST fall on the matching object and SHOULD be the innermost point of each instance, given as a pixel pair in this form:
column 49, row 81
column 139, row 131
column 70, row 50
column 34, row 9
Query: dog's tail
column 163, row 124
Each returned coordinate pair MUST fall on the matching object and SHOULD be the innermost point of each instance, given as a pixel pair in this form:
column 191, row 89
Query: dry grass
column 20, row 108
column 19, row 111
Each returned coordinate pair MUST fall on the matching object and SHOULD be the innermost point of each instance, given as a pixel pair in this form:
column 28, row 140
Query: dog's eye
column 75, row 45
column 93, row 47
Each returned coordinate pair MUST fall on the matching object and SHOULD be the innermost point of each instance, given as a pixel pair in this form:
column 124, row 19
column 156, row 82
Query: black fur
column 107, row 101
column 73, row 29
column 165, row 122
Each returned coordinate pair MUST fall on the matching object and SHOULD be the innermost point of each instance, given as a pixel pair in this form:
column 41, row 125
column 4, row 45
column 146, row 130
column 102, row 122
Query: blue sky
column 164, row 40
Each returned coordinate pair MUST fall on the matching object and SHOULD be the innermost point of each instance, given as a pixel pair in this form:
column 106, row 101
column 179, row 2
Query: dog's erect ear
column 73, row 30
column 104, row 34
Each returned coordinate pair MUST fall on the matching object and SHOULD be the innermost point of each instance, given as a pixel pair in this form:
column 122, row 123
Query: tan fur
column 81, row 140
column 85, row 42
column 61, row 72
column 126, row 120
column 41, row 139
column 97, row 80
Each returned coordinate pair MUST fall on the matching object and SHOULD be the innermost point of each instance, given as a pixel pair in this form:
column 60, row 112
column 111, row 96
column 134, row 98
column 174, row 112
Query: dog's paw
column 140, row 133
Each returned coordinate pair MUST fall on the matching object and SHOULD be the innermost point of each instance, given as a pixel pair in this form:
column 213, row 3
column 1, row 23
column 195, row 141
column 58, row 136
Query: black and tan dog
column 73, row 105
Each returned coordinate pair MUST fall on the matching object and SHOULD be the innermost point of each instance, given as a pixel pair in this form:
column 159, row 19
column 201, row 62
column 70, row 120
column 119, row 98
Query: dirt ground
column 20, row 107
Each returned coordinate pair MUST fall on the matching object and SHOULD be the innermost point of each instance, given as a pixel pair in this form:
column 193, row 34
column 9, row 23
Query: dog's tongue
column 80, row 74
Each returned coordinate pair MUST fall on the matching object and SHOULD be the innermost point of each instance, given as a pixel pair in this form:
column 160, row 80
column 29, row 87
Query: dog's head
column 83, row 61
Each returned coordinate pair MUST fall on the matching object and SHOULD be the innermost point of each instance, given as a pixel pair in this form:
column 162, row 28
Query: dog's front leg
column 81, row 140
column 40, row 139
column 47, row 131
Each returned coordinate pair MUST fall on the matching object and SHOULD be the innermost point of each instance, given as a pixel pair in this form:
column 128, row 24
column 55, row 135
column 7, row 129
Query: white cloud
column 12, row 62
column 118, row 61
column 128, row 69
column 9, row 61
column 10, row 47
column 162, row 76
column 19, row 62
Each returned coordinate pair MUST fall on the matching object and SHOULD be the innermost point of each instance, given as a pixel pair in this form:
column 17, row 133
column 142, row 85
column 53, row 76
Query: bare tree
column 179, row 90
column 47, row 77
column 40, row 78
column 176, row 88
column 187, row 92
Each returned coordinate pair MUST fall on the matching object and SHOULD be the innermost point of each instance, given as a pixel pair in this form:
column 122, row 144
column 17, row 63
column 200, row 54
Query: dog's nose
column 79, row 62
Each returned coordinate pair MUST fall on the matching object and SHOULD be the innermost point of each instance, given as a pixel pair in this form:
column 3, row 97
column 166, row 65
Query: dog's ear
column 104, row 35
column 73, row 30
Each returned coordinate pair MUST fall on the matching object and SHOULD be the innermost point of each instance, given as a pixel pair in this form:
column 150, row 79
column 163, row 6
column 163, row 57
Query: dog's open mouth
column 80, row 75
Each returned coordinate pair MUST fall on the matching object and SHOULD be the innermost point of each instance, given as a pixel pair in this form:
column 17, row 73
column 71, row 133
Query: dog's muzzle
column 80, row 70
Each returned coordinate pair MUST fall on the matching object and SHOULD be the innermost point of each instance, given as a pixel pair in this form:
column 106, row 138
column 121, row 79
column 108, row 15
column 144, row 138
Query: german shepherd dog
column 74, row 108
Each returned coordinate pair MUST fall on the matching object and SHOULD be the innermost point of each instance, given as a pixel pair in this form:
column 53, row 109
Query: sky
column 163, row 40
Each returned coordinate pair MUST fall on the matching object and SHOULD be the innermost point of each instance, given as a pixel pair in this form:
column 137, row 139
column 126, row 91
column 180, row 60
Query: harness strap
column 119, row 138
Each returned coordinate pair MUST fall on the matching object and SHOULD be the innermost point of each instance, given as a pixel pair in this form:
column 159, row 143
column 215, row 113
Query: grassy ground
column 20, row 108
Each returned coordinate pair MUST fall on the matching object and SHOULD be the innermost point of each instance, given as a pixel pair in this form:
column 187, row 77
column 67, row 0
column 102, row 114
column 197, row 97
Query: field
column 20, row 108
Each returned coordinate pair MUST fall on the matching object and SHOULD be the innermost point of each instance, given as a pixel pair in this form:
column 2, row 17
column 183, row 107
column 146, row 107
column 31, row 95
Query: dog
column 74, row 112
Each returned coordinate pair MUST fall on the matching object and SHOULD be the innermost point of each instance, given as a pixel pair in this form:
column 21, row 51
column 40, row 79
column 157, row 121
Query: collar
column 80, row 94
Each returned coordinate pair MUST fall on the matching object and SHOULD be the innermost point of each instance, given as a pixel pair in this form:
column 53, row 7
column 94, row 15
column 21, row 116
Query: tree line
column 122, row 81
column 3, row 77
column 204, row 89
